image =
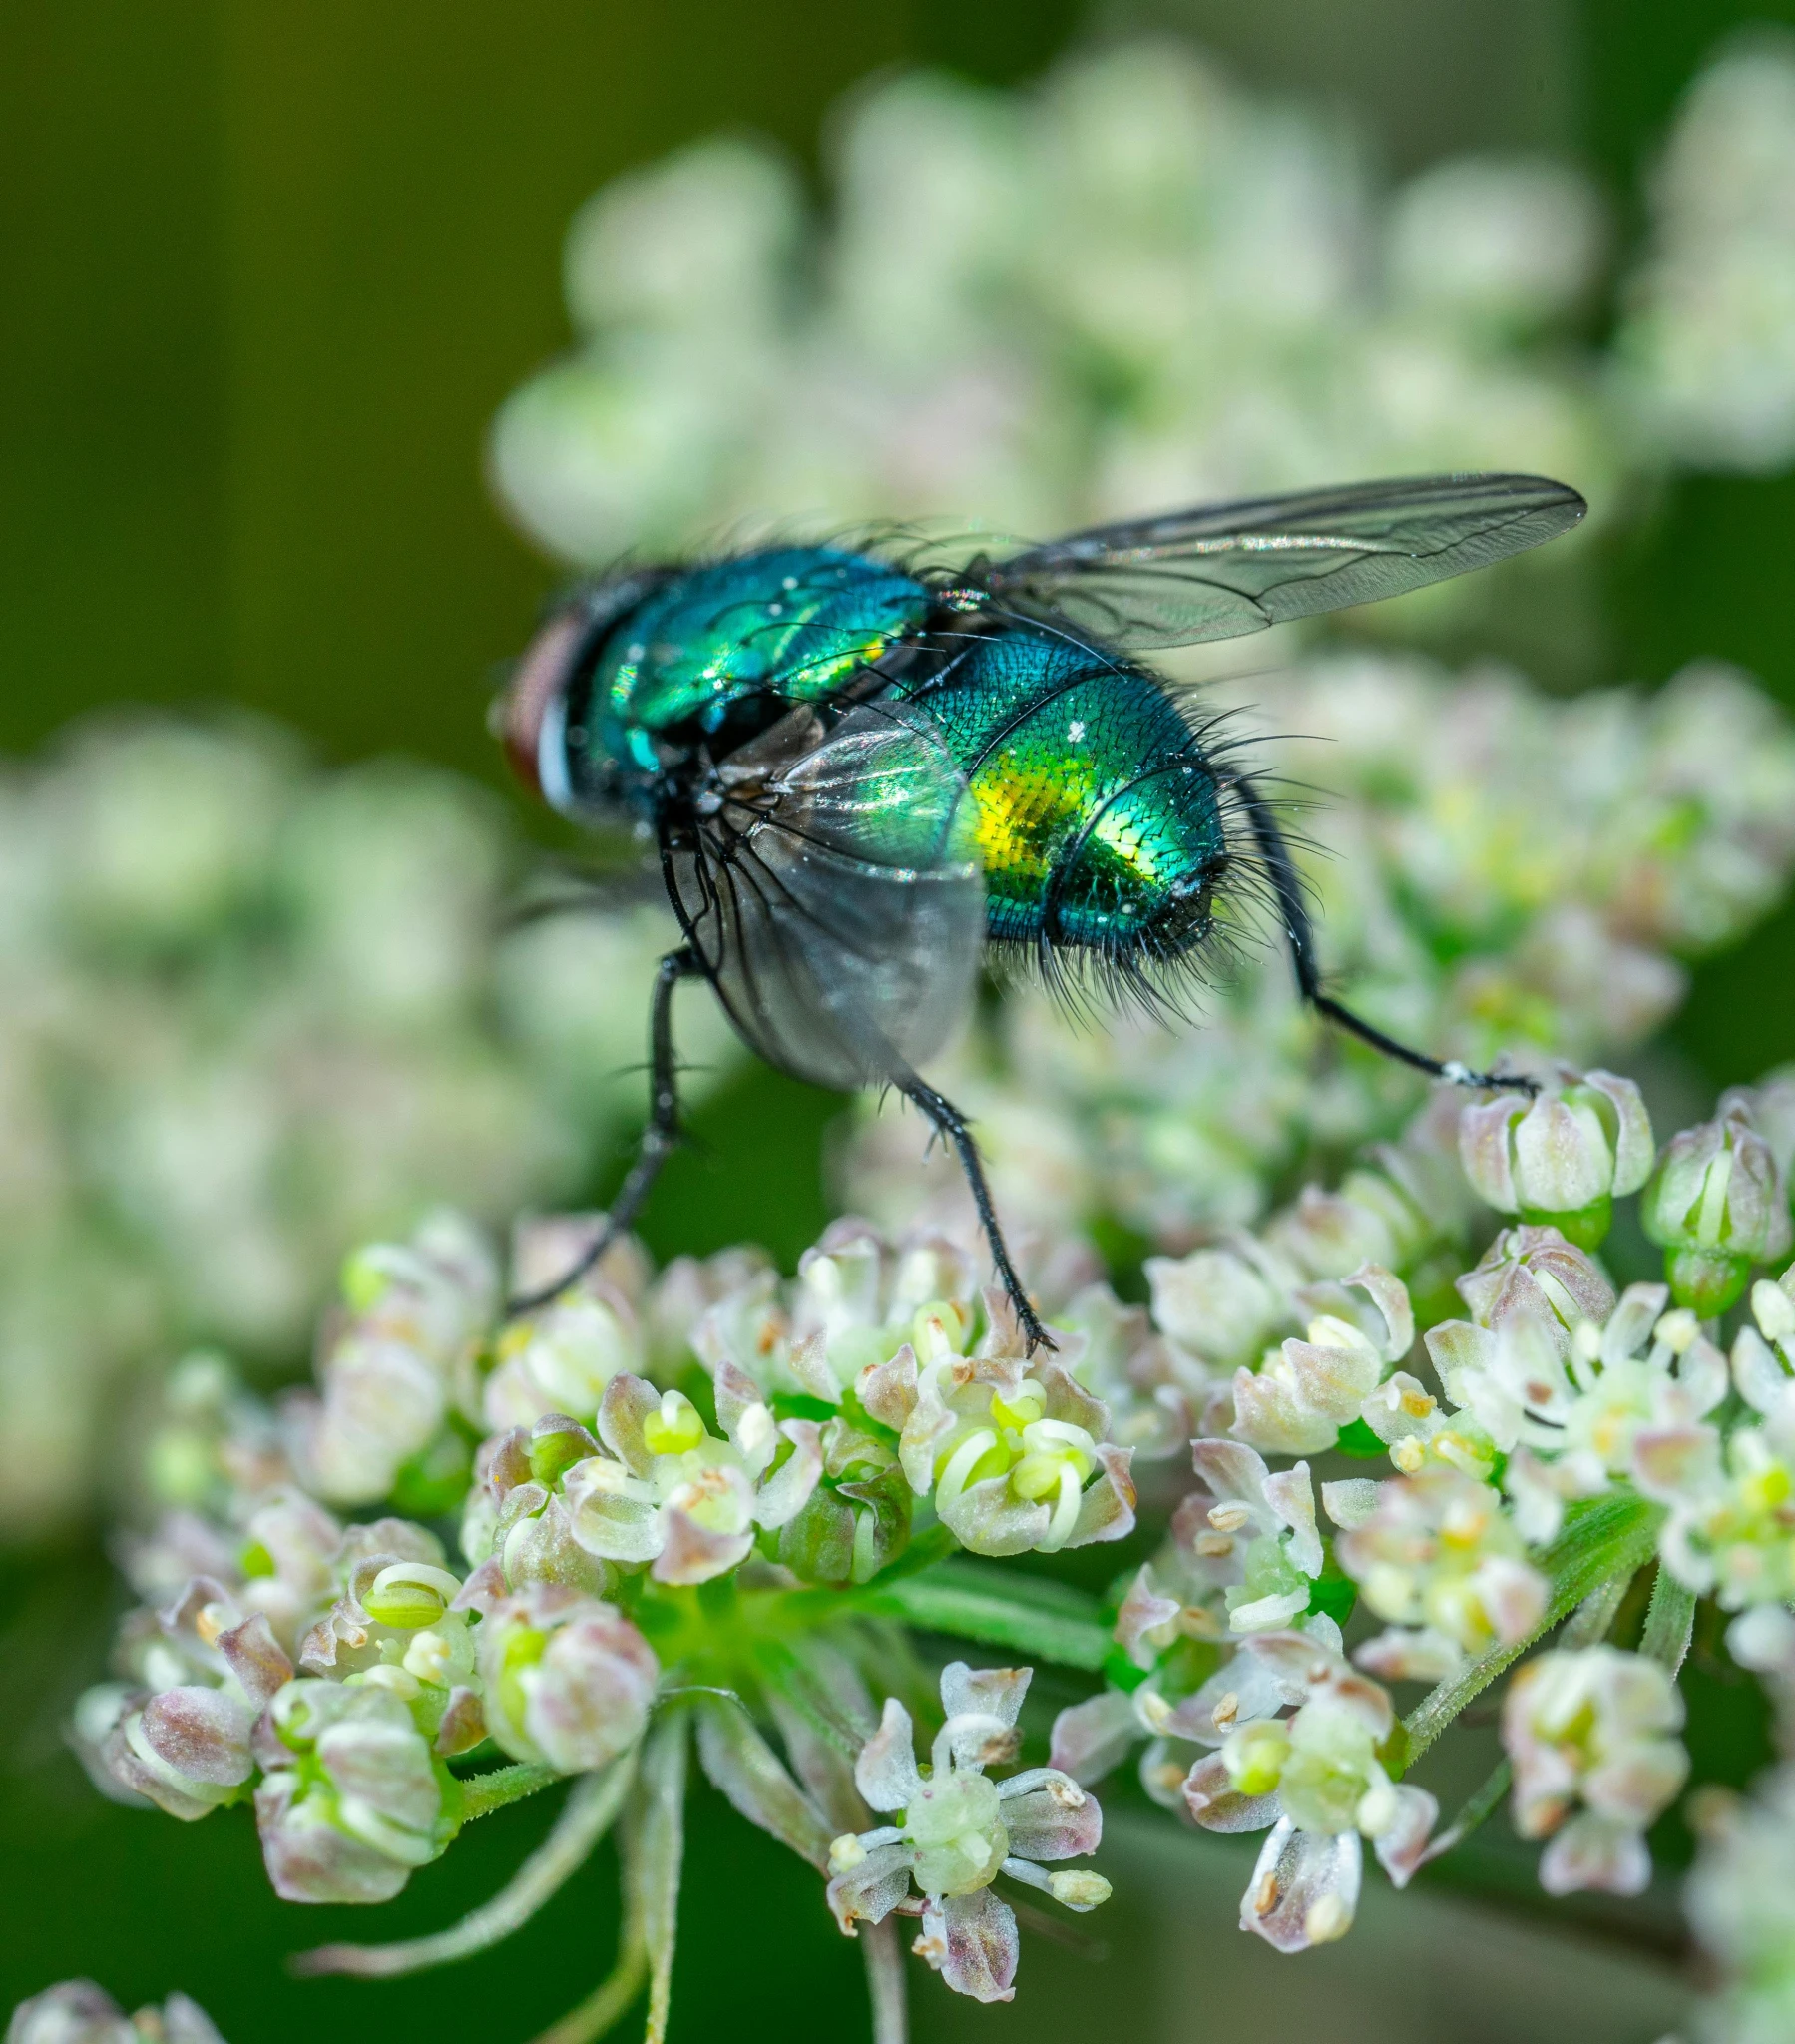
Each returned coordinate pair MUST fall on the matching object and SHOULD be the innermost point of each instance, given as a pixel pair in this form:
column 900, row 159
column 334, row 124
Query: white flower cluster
column 1556, row 1398
column 78, row 2012
column 706, row 1481
column 328, row 1669
column 251, row 1013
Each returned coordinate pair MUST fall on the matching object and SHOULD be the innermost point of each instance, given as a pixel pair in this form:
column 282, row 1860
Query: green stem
column 1669, row 1622
column 1611, row 1536
column 607, row 2001
column 481, row 1794
column 950, row 1599
column 1476, row 1808
column 884, row 1958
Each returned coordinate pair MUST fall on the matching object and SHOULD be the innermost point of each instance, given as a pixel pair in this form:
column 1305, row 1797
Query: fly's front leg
column 955, row 1129
column 1287, row 887
column 658, row 1139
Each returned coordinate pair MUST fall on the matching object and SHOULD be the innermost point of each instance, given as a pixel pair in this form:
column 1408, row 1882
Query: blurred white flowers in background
column 249, row 1013
column 1708, row 349
column 1133, row 286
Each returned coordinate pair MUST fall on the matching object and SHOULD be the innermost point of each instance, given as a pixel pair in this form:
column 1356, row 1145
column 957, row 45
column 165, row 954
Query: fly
column 862, row 774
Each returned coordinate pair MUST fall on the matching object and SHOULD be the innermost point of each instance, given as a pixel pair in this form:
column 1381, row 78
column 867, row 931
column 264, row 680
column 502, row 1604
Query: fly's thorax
column 1098, row 812
column 632, row 682
column 720, row 652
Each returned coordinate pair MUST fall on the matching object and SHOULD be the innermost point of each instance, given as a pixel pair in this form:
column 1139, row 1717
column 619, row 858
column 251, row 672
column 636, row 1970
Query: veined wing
column 836, row 900
column 1222, row 570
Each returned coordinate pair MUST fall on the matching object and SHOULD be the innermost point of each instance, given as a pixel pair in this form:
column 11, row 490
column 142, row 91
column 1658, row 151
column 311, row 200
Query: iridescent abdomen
column 1098, row 816
column 713, row 642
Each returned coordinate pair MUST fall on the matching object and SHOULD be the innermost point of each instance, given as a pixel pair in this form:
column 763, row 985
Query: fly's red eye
column 533, row 699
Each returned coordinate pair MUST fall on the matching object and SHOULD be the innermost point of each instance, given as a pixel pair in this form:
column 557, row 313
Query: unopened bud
column 1079, row 1890
column 1560, row 1158
column 1716, row 1206
column 567, row 1679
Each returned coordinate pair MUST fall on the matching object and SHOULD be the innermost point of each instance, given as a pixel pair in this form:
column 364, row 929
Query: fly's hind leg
column 1294, row 914
column 954, row 1129
column 658, row 1139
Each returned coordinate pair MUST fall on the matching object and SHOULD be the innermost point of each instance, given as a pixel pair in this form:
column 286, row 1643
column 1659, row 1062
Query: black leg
column 954, row 1129
column 658, row 1139
column 1295, row 916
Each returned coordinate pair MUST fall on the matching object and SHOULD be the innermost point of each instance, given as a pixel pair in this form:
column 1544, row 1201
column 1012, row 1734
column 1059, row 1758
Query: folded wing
column 835, row 898
column 1221, row 571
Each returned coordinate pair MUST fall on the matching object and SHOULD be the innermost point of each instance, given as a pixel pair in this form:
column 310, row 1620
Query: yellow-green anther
column 364, row 1279
column 937, row 1330
column 1077, row 1890
column 552, row 1454
column 1035, row 1475
column 1254, row 1757
column 409, row 1595
column 675, row 1429
column 1029, row 1406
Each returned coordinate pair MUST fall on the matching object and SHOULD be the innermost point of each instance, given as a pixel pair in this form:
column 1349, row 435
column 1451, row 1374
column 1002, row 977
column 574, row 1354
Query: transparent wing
column 1222, row 570
column 836, row 900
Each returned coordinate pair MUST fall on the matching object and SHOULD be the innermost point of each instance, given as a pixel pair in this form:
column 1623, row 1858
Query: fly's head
column 561, row 743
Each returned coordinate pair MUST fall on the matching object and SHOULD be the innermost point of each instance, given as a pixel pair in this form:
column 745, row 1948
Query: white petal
column 1306, row 1888
column 885, row 1773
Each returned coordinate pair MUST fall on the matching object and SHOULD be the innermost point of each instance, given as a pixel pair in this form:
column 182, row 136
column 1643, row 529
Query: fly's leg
column 658, row 1139
column 1294, row 914
column 954, row 1129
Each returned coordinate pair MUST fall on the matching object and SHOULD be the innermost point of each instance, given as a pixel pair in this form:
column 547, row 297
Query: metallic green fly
column 862, row 771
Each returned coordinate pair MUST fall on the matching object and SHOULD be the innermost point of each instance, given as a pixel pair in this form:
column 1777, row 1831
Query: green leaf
column 1026, row 1615
column 1669, row 1622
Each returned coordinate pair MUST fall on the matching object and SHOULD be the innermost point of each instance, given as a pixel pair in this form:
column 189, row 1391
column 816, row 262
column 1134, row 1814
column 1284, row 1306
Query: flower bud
column 1536, row 1273
column 78, row 2012
column 1561, row 1158
column 1716, row 1206
column 352, row 1800
column 569, row 1679
column 857, row 1519
column 559, row 1359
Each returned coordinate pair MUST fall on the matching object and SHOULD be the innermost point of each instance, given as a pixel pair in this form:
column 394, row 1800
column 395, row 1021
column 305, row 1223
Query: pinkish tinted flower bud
column 1534, row 1272
column 353, row 1800
column 567, row 1679
column 1717, row 1205
column 1561, row 1158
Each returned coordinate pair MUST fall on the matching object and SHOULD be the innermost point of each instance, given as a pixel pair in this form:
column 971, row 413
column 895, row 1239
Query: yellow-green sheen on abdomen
column 1095, row 810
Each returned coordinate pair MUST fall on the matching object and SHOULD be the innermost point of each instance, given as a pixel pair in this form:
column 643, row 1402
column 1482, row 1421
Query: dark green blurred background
column 267, row 272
